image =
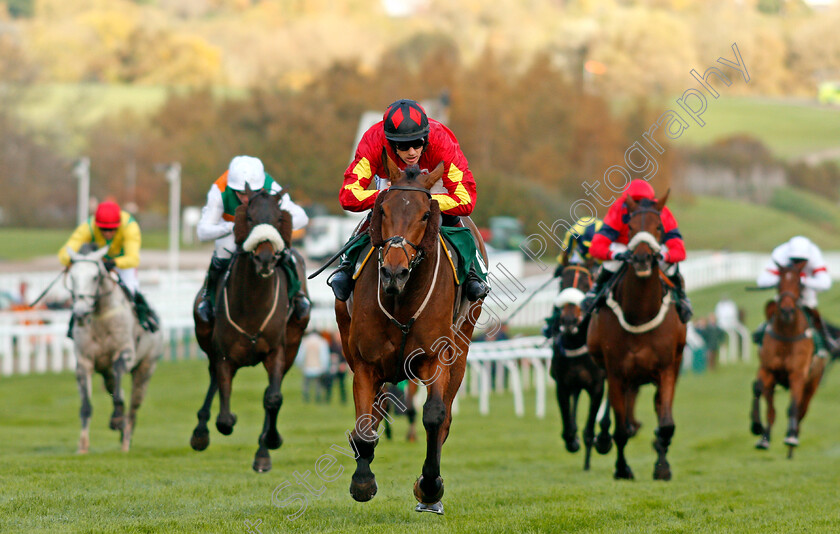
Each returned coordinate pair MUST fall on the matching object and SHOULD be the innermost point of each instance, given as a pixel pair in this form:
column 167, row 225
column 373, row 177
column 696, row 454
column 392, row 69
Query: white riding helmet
column 799, row 248
column 246, row 170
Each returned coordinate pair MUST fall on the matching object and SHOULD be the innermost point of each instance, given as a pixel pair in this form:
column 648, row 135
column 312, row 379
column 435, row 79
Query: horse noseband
column 399, row 241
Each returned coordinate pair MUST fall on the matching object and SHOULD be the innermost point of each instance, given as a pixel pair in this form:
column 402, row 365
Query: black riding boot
column 70, row 327
column 206, row 306
column 683, row 304
column 589, row 303
column 758, row 334
column 474, row 286
column 145, row 314
column 341, row 280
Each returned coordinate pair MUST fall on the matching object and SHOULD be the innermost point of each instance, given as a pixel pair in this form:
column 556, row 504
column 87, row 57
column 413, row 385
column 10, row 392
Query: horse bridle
column 96, row 296
column 399, row 241
column 642, row 211
column 578, row 270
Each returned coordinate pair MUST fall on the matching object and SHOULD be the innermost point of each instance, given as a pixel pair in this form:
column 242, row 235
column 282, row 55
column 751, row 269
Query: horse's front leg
column 596, row 394
column 755, row 413
column 363, row 438
column 564, row 400
column 270, row 439
column 797, row 388
column 200, row 439
column 436, row 419
column 118, row 369
column 663, row 402
column 768, row 386
column 603, row 443
column 84, row 372
column 224, row 376
column 621, row 435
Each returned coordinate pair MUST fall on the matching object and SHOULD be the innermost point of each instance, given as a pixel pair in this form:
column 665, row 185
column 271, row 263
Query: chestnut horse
column 400, row 324
column 786, row 358
column 253, row 323
column 573, row 368
column 639, row 337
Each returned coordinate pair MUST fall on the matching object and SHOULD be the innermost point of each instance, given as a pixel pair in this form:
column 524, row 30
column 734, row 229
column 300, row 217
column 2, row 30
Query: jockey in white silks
column 216, row 223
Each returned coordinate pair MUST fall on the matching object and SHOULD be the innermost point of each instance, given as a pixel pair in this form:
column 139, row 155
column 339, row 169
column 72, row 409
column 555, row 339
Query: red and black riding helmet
column 405, row 120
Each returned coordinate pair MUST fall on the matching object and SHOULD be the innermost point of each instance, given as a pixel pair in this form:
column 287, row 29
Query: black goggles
column 406, row 145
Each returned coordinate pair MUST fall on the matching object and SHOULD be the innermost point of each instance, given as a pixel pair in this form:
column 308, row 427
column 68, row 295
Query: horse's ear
column 428, row 180
column 101, row 253
column 393, row 170
column 770, row 309
column 661, row 202
column 74, row 256
column 278, row 196
column 631, row 203
column 285, row 227
column 240, row 224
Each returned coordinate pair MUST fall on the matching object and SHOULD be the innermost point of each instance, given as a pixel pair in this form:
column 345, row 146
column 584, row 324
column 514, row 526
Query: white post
column 173, row 176
column 82, row 172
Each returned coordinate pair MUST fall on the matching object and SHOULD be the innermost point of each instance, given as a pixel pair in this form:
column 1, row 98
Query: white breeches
column 225, row 246
column 129, row 278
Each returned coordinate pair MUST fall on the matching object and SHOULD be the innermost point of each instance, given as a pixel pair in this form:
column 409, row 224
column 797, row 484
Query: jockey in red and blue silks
column 611, row 241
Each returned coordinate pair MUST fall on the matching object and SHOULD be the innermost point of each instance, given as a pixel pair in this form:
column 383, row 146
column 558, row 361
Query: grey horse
column 108, row 339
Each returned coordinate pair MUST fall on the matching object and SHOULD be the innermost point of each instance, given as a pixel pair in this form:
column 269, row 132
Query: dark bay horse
column 786, row 358
column 253, row 323
column 573, row 368
column 640, row 338
column 399, row 324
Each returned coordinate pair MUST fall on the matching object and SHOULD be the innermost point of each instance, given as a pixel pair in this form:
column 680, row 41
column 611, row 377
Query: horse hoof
column 662, row 471
column 363, row 491
column 200, row 440
column 756, row 429
column 603, row 443
column 792, row 441
column 623, row 474
column 424, row 498
column 763, row 444
column 573, row 445
column 116, row 423
column 436, row 508
column 262, row 464
column 634, row 429
column 273, row 441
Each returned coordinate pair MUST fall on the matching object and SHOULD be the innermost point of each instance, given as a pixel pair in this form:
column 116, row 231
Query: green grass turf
column 502, row 473
column 789, row 128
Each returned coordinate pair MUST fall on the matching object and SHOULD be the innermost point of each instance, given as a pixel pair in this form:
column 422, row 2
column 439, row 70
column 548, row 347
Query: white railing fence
column 35, row 341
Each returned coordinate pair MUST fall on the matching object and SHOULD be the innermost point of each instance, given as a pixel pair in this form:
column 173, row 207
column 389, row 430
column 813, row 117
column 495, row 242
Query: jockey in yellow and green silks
column 118, row 230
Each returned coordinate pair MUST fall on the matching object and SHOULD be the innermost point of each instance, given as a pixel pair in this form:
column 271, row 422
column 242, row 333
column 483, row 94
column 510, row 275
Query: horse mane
column 432, row 226
column 240, row 223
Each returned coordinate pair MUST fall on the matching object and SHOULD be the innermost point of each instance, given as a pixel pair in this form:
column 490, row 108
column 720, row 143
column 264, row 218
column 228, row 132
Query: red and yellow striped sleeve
column 354, row 194
column 458, row 179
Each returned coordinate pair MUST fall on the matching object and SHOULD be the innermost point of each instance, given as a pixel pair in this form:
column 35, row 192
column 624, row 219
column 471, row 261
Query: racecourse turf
column 502, row 473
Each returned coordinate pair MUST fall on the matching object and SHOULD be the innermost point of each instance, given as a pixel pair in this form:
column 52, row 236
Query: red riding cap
column 108, row 215
column 639, row 189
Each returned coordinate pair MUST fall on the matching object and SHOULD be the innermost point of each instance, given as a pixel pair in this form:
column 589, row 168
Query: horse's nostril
column 386, row 274
column 403, row 274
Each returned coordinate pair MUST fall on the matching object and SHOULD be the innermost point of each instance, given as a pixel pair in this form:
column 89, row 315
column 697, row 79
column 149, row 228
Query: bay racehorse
column 787, row 358
column 253, row 323
column 109, row 340
column 639, row 337
column 573, row 369
column 399, row 324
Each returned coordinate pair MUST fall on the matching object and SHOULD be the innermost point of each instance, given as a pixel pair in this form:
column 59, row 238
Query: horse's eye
column 427, row 215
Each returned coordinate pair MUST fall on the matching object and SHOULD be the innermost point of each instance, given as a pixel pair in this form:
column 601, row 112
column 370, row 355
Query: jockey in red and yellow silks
column 409, row 137
column 458, row 181
column 611, row 240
